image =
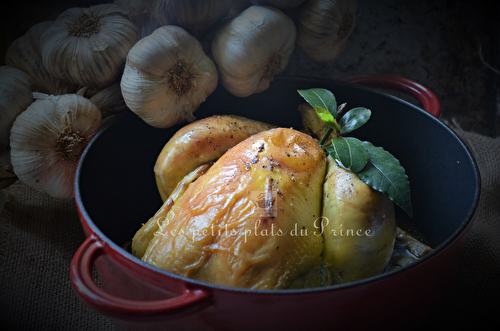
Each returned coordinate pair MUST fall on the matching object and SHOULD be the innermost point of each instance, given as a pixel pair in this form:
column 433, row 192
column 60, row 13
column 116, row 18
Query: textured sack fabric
column 476, row 290
column 39, row 236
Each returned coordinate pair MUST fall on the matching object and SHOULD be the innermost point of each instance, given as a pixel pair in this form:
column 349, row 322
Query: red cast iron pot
column 115, row 192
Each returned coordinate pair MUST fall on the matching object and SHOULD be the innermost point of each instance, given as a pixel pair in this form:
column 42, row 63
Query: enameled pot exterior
column 137, row 294
column 387, row 302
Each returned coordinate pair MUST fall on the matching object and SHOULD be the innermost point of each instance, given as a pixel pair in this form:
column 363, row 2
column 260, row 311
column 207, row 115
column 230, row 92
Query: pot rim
column 282, row 292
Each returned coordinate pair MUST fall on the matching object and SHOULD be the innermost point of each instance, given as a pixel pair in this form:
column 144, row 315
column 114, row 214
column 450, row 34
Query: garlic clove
column 49, row 137
column 15, row 97
column 252, row 48
column 88, row 46
column 167, row 76
column 25, row 54
column 323, row 27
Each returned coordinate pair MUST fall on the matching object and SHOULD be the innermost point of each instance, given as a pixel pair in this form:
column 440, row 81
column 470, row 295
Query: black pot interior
column 116, row 189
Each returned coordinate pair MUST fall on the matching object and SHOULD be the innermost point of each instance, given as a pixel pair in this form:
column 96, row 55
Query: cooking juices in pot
column 255, row 206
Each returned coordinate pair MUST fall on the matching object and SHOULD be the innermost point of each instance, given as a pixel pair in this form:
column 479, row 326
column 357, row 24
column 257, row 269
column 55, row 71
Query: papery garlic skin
column 323, row 27
column 252, row 48
column 47, row 140
column 167, row 76
column 25, row 54
column 88, row 46
column 109, row 100
column 15, row 96
column 195, row 16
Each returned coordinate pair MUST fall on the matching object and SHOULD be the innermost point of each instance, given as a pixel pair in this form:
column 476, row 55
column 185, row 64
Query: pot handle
column 91, row 294
column 428, row 99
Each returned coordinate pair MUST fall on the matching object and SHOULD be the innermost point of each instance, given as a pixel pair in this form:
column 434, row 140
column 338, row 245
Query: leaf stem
column 329, row 130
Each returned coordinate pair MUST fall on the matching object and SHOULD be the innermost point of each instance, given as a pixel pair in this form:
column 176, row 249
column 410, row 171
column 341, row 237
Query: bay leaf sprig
column 373, row 165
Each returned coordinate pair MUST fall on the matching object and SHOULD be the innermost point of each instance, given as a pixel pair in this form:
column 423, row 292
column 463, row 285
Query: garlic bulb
column 323, row 27
column 281, row 4
column 167, row 76
column 25, row 54
column 195, row 16
column 88, row 46
column 15, row 96
column 252, row 48
column 49, row 137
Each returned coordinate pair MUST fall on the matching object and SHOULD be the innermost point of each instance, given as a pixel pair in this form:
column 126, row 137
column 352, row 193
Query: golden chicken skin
column 359, row 227
column 249, row 221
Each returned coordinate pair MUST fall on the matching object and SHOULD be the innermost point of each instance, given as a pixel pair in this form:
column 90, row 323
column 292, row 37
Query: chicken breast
column 197, row 143
column 251, row 220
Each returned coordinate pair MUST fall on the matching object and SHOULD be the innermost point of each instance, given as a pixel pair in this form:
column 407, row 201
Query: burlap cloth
column 39, row 236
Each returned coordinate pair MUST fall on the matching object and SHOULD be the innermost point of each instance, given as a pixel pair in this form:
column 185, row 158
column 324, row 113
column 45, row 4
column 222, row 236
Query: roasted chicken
column 250, row 205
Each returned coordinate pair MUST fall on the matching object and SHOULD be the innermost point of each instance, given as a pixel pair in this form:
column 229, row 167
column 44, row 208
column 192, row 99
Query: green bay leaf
column 353, row 119
column 327, row 117
column 384, row 173
column 349, row 153
column 320, row 97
